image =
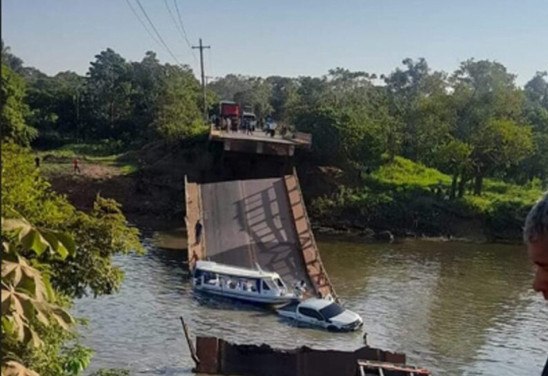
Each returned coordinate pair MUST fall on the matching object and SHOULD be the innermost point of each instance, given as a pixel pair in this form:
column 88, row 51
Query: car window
column 331, row 310
column 310, row 313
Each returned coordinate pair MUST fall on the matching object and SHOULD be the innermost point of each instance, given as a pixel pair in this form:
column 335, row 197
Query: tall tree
column 418, row 98
column 108, row 91
column 489, row 112
column 14, row 109
column 177, row 113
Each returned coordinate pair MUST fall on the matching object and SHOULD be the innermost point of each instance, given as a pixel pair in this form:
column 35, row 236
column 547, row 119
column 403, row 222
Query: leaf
column 41, row 315
column 11, row 224
column 19, row 327
column 63, row 318
column 35, row 340
column 15, row 305
column 35, row 241
column 40, row 240
column 13, row 368
column 68, row 242
column 9, row 267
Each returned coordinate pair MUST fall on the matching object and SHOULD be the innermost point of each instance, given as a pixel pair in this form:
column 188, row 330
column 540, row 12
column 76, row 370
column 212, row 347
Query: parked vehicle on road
column 250, row 285
column 249, row 121
column 324, row 313
column 229, row 110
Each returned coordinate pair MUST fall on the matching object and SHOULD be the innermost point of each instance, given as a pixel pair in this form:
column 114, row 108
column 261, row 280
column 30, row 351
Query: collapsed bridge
column 251, row 221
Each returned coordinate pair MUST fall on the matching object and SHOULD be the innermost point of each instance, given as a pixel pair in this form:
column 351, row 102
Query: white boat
column 255, row 286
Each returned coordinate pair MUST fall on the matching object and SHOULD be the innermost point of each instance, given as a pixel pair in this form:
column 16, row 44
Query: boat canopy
column 213, row 267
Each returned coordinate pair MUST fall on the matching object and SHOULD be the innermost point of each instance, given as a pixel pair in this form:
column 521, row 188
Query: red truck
column 229, row 110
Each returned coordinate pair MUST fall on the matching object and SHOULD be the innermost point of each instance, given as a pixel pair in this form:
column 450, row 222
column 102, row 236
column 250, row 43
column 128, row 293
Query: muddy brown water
column 456, row 308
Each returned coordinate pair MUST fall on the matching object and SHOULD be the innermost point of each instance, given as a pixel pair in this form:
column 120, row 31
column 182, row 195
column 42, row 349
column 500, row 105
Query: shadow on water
column 459, row 309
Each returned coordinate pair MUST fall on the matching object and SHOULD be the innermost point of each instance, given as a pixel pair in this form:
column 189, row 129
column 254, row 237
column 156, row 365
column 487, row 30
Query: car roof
column 316, row 303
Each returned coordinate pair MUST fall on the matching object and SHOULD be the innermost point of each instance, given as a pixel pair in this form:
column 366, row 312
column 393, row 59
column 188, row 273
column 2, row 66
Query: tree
column 536, row 113
column 73, row 249
column 283, row 96
column 56, row 105
column 14, row 109
column 107, row 95
column 488, row 109
column 177, row 112
column 419, row 98
column 498, row 144
column 29, row 304
column 12, row 61
column 147, row 82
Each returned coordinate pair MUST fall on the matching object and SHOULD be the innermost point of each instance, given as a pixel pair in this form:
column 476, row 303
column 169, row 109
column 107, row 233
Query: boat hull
column 262, row 299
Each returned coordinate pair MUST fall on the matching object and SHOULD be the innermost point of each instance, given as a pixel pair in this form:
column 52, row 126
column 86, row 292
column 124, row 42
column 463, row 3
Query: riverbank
column 400, row 199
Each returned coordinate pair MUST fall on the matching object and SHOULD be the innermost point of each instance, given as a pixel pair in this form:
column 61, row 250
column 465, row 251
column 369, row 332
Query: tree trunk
column 454, row 185
column 478, row 184
column 462, row 184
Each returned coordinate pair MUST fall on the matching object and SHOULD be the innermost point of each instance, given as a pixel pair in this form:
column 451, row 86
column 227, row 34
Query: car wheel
column 332, row 328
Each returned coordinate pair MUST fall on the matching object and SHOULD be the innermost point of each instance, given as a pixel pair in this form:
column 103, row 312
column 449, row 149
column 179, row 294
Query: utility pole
column 201, row 47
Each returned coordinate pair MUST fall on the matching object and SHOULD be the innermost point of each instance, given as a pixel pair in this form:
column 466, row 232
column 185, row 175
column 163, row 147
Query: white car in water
column 324, row 313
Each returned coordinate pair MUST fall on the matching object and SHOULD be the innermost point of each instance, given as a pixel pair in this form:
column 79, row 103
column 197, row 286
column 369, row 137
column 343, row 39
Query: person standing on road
column 198, row 231
column 535, row 235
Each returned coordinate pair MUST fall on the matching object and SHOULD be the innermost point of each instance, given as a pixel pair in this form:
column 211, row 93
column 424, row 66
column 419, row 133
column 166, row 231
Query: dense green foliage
column 63, row 255
column 14, row 108
column 133, row 102
column 472, row 124
column 410, row 198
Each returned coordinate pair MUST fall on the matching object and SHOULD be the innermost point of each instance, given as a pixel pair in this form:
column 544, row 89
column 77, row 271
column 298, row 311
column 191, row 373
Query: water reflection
column 455, row 308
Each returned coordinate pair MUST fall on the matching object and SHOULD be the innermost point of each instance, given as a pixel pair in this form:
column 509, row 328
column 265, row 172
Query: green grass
column 404, row 172
column 402, row 190
column 59, row 161
column 408, row 174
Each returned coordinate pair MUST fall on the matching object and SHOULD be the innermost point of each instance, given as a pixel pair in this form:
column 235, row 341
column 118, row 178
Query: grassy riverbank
column 403, row 197
column 410, row 199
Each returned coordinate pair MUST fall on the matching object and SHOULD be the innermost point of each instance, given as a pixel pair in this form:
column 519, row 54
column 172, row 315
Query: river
column 455, row 308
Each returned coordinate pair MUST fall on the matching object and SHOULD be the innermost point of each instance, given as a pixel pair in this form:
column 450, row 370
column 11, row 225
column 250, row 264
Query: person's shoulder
column 545, row 370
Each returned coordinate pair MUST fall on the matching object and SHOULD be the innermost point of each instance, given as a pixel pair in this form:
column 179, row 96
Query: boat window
column 310, row 313
column 209, row 276
column 265, row 286
column 279, row 283
column 331, row 310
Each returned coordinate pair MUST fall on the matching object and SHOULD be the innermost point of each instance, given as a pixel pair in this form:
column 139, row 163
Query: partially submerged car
column 324, row 313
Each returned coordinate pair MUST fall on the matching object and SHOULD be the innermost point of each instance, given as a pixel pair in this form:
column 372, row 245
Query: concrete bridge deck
column 258, row 221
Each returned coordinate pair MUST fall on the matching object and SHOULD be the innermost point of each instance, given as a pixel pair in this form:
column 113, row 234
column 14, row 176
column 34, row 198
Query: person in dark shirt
column 535, row 235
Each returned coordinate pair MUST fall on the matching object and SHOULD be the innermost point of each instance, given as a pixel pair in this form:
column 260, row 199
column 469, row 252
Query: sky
column 282, row 37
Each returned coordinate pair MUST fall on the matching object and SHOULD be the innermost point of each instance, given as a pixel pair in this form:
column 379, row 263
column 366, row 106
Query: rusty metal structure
column 217, row 356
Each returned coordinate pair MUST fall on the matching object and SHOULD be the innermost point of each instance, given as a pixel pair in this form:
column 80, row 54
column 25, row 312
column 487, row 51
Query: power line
column 183, row 29
column 157, row 33
column 141, row 21
column 178, row 27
